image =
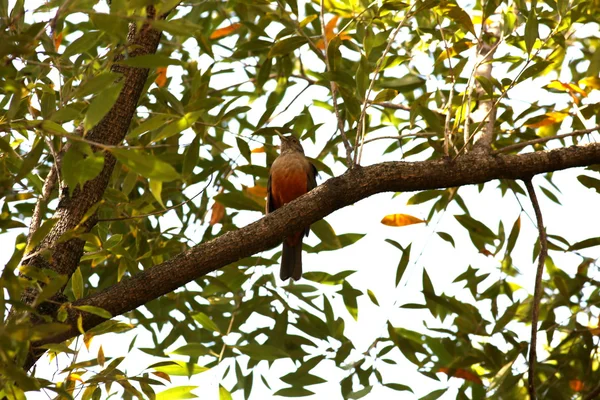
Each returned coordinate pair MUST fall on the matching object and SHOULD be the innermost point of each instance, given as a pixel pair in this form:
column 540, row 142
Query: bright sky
column 375, row 261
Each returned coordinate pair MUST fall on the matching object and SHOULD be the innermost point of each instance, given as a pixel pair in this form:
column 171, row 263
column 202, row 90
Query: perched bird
column 291, row 176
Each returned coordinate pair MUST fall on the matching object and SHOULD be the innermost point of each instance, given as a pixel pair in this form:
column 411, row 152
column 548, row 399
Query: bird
column 291, row 176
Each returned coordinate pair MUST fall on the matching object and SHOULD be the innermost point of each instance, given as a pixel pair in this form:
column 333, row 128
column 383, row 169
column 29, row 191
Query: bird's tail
column 291, row 261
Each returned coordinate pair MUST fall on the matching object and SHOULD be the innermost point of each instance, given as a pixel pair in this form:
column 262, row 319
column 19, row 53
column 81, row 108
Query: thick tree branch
column 537, row 294
column 336, row 193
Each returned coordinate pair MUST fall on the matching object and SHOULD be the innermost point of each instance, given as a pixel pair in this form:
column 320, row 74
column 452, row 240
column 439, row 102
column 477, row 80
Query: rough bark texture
column 336, row 193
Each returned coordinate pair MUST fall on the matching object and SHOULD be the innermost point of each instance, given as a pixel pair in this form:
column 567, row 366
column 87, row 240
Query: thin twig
column 537, row 294
column 159, row 211
column 451, row 96
column 301, row 32
column 387, row 104
column 517, row 146
column 359, row 127
column 333, row 86
column 400, row 137
column 594, row 394
column 512, row 84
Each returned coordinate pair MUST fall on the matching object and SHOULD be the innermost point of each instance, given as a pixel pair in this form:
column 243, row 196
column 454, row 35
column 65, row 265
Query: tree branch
column 336, row 193
column 537, row 294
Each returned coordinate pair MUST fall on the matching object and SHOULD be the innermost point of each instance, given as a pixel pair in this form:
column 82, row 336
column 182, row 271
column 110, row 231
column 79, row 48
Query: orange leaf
column 161, row 79
column 258, row 150
column 571, row 88
column 87, row 339
column 330, row 34
column 222, row 32
column 218, row 212
column 461, row 373
column 258, row 191
column 163, row 375
column 576, row 385
column 400, row 220
column 550, row 118
column 57, row 40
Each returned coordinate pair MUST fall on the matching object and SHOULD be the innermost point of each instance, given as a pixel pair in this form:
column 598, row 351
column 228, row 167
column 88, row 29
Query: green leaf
column 40, row 233
column 178, row 368
column 436, row 394
column 531, row 29
column 372, row 297
column 403, row 264
column 474, row 226
column 146, row 164
column 31, row 160
column 349, row 295
column 405, row 84
column 238, row 201
column 534, row 70
column 101, row 312
column 96, row 84
column 150, row 124
column 262, row 352
column 325, row 232
column 224, row 394
column 206, row 322
column 156, row 190
column 294, row 392
column 179, row 125
column 584, row 244
column 447, row 237
column 178, row 392
column 286, row 46
column 77, row 284
column 150, row 61
column 461, row 18
column 193, row 350
column 101, row 105
column 427, row 285
column 513, row 236
column 386, row 95
column 82, row 44
column 589, row 182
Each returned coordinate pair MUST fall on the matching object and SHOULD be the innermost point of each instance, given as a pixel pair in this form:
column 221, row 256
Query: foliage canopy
column 437, row 76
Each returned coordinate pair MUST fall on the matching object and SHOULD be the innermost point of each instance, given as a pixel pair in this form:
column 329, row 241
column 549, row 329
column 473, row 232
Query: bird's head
column 290, row 143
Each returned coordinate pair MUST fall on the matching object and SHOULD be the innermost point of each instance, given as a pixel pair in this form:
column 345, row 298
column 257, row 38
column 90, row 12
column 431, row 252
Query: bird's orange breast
column 288, row 185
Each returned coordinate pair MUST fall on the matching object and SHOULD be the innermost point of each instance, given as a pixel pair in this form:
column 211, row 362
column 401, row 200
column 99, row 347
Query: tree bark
column 336, row 193
column 71, row 209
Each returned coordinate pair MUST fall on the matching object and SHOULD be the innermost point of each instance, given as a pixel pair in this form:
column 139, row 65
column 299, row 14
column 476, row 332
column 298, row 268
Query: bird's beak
column 279, row 134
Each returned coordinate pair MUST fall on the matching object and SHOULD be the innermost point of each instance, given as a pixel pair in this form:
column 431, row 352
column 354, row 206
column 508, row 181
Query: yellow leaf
column 454, row 50
column 307, row 20
column 75, row 377
column 258, row 191
column 258, row 150
column 400, row 220
column 591, row 82
column 222, row 32
column 161, row 79
column 101, row 357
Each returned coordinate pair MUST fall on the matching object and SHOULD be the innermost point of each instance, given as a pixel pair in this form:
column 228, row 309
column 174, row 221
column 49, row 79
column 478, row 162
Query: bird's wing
column 270, row 203
column 312, row 177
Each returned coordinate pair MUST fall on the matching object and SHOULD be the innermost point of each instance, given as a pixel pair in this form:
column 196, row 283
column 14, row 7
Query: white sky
column 375, row 261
